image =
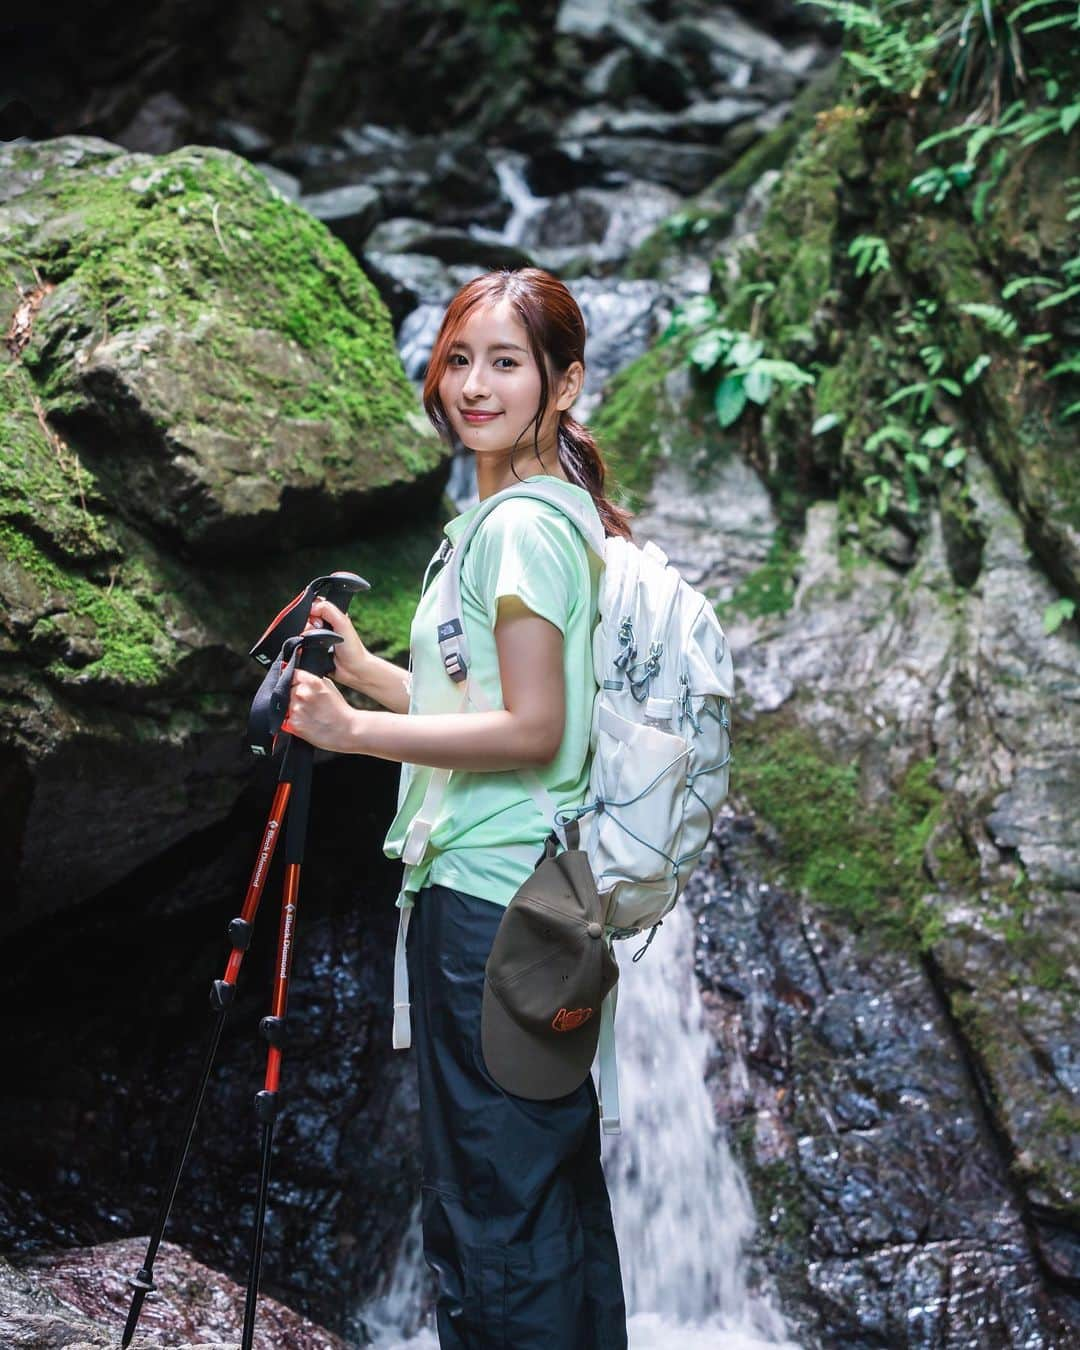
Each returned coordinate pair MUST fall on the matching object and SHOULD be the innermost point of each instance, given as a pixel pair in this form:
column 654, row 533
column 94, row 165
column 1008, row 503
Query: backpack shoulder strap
column 453, row 644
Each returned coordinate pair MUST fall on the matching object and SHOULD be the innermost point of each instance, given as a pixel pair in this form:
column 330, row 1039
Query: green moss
column 792, row 254
column 134, row 649
column 861, row 860
column 770, row 588
column 632, row 423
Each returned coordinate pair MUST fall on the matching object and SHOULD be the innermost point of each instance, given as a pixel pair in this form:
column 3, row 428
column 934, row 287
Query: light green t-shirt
column 489, row 832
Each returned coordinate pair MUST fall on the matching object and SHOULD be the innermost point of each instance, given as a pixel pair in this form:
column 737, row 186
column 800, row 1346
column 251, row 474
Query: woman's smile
column 478, row 416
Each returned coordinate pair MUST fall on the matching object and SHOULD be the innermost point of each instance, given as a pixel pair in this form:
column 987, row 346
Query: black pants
column 515, row 1210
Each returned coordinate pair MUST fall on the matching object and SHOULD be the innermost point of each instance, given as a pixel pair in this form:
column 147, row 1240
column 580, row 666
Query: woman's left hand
column 319, row 714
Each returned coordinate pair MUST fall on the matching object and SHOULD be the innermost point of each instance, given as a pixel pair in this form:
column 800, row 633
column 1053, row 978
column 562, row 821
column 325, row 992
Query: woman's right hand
column 350, row 655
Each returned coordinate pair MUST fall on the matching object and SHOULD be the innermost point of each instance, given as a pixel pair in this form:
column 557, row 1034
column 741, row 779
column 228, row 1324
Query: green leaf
column 1021, row 283
column 953, row 457
column 758, row 384
column 1060, row 298
column 707, row 350
column 950, row 387
column 993, row 318
column 908, row 391
column 935, row 437
column 920, row 461
column 784, row 372
column 824, row 423
column 1069, row 117
column 1055, row 615
column 745, row 351
column 976, row 368
column 729, row 400
column 892, row 432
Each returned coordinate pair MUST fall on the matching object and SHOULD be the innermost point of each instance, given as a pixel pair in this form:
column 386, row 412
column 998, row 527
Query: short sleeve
column 529, row 549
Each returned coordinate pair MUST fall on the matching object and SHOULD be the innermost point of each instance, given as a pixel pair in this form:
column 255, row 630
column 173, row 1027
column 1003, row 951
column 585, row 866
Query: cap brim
column 539, row 1067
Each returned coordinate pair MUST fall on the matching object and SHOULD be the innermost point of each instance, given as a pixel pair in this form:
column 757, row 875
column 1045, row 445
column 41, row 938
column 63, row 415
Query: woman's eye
column 454, row 357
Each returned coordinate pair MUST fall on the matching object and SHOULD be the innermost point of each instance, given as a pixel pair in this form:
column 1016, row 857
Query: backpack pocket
column 640, row 773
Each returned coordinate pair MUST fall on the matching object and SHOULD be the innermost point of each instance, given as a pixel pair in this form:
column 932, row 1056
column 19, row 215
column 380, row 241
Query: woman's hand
column 350, row 655
column 319, row 714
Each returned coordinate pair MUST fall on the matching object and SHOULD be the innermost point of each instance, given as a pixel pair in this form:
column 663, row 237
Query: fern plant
column 886, row 43
column 735, row 359
column 870, row 253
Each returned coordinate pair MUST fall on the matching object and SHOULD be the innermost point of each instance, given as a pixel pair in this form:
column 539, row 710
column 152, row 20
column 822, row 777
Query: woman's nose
column 475, row 386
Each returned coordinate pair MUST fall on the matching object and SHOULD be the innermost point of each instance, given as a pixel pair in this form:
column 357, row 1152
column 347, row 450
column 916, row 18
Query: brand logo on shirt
column 569, row 1019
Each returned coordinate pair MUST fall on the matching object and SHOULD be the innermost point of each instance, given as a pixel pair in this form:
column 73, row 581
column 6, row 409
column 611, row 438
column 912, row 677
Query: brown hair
column 556, row 336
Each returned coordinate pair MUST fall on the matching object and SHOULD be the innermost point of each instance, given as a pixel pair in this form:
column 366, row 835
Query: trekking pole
column 316, row 655
column 338, row 588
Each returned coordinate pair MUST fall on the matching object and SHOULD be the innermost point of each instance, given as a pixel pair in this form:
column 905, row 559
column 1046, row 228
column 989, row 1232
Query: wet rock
column 240, row 136
column 716, row 522
column 79, row 1299
column 887, row 1212
column 349, row 212
column 594, row 230
column 610, row 161
column 286, row 183
column 700, row 122
column 724, row 34
column 438, row 178
column 87, row 1139
column 612, row 77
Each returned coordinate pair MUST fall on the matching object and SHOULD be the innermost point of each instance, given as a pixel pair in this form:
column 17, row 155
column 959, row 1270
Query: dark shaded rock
column 438, row 178
column 107, row 1061
column 162, row 124
column 457, row 246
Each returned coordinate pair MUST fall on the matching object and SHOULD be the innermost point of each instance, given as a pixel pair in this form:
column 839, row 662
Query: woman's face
column 490, row 369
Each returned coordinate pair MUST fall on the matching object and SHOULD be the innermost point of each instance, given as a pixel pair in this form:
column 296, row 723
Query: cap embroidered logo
column 567, row 1019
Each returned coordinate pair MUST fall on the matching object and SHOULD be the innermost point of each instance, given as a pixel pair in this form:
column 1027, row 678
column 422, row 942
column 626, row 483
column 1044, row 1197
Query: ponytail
column 581, row 461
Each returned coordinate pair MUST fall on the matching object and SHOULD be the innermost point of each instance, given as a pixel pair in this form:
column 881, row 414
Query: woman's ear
column 570, row 385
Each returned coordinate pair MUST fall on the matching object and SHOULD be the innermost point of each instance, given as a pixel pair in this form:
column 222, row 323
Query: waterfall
column 683, row 1215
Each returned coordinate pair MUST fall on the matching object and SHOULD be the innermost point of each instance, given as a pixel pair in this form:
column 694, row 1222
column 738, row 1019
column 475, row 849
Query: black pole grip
column 339, row 588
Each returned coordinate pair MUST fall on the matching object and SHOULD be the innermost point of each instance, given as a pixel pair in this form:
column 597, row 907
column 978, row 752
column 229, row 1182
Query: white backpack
column 660, row 740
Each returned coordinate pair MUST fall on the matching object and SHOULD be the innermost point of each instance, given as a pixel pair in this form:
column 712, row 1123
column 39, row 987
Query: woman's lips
column 478, row 417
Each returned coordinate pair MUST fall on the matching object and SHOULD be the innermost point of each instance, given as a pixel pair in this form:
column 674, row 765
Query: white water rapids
column 682, row 1211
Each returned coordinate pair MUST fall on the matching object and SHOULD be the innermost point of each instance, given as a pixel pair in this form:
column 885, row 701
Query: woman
column 516, row 1217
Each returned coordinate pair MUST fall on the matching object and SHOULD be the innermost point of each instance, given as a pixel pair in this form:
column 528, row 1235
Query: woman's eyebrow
column 495, row 346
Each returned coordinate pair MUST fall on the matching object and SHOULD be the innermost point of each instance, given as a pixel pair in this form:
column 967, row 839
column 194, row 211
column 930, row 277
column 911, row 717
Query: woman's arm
column 527, row 730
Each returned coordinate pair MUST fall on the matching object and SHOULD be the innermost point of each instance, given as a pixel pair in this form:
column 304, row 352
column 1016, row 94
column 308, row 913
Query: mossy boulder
column 201, row 408
column 210, row 348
